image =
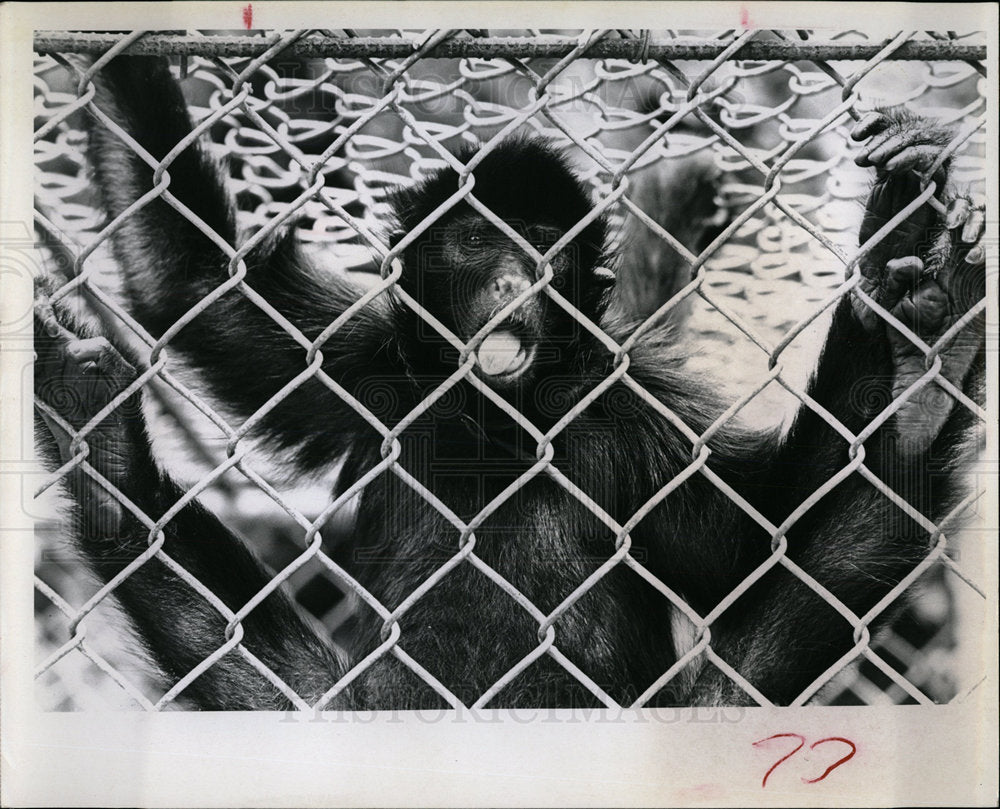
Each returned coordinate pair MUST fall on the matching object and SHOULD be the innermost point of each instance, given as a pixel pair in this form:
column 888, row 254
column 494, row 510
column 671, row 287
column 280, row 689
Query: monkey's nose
column 509, row 285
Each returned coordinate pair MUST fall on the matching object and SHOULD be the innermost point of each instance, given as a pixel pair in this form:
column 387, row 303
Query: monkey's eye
column 474, row 239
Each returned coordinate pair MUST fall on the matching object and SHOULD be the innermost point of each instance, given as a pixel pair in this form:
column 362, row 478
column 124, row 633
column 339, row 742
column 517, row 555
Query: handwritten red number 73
column 801, row 743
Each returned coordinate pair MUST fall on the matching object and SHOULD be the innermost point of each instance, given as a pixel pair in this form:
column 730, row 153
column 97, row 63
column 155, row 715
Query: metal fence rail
column 320, row 126
column 472, row 44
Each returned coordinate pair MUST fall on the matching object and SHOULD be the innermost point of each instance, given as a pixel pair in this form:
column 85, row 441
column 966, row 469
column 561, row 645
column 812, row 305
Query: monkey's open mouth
column 504, row 355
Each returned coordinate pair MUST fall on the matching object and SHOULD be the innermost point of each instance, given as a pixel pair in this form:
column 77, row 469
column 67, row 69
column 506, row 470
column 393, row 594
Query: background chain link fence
column 318, row 126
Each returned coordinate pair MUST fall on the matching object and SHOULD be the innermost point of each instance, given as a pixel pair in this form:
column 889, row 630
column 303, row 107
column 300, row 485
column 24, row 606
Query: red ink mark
column 248, row 16
column 744, row 17
column 802, row 741
column 835, row 764
column 813, row 746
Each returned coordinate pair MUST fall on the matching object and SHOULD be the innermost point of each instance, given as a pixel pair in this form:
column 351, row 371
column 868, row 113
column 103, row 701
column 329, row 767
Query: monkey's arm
column 855, row 541
column 76, row 378
column 169, row 264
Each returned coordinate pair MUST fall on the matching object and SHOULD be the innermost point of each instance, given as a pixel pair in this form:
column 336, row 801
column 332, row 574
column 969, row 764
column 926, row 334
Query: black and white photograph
column 643, row 375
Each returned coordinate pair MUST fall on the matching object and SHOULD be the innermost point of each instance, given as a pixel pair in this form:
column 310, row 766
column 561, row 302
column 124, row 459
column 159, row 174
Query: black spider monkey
column 620, row 450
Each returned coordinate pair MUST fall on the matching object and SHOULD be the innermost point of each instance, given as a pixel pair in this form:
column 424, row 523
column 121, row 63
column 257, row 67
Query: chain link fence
column 318, row 127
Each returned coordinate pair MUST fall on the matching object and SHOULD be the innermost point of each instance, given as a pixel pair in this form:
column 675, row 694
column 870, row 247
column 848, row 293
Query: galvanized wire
column 395, row 89
column 528, row 47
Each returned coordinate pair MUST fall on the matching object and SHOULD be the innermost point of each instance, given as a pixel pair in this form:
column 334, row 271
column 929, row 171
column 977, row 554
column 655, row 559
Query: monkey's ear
column 603, row 277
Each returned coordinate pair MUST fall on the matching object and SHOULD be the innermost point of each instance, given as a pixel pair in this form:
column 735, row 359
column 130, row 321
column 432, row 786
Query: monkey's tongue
column 500, row 353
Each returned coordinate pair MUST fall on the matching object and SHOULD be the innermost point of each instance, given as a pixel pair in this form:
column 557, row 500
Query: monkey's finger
column 957, row 212
column 967, row 223
column 975, row 226
column 869, row 124
column 78, row 377
column 47, row 324
column 51, row 337
column 919, row 158
column 887, row 289
column 977, row 255
column 924, row 310
column 963, row 276
column 101, row 368
column 901, row 276
column 88, row 350
column 866, row 155
column 886, row 145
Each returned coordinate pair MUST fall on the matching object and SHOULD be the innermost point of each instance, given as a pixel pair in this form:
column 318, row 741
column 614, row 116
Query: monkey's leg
column 75, row 378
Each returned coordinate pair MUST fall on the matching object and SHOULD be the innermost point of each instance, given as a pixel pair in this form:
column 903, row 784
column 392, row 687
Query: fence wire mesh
column 318, row 127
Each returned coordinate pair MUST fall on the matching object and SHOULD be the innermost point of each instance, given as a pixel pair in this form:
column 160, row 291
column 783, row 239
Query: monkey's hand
column 927, row 272
column 75, row 378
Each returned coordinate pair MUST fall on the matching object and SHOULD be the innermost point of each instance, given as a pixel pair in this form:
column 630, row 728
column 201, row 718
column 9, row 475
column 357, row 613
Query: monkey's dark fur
column 620, row 450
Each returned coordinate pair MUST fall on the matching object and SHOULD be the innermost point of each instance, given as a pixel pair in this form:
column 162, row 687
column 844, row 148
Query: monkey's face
column 466, row 272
